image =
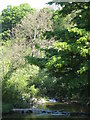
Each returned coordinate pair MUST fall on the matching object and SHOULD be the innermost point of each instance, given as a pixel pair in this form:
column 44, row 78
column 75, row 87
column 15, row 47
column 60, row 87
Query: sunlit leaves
column 11, row 16
column 84, row 52
column 83, row 68
column 33, row 91
column 61, row 46
column 80, row 32
column 4, row 67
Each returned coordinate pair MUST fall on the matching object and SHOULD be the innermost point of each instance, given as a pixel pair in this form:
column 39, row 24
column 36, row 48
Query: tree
column 70, row 61
column 11, row 16
column 33, row 26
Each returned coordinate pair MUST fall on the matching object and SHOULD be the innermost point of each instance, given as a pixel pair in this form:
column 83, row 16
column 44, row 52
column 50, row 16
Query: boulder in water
column 52, row 100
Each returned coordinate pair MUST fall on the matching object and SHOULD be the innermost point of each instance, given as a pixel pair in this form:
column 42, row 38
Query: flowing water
column 57, row 108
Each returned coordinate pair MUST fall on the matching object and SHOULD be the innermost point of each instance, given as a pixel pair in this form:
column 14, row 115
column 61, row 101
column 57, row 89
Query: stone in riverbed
column 43, row 111
column 29, row 111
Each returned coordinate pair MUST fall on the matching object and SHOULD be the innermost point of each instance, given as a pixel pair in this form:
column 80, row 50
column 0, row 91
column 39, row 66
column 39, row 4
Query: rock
column 22, row 112
column 48, row 111
column 41, row 101
column 37, row 111
column 52, row 100
column 88, row 104
column 29, row 111
column 43, row 111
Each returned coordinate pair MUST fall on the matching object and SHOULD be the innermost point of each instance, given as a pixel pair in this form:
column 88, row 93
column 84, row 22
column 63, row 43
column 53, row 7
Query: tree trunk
column 33, row 45
column 39, row 47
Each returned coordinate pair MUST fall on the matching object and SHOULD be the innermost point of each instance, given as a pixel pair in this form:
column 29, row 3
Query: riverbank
column 51, row 109
column 7, row 108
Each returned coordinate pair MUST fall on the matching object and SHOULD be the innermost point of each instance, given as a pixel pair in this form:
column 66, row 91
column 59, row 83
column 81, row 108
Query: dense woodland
column 44, row 54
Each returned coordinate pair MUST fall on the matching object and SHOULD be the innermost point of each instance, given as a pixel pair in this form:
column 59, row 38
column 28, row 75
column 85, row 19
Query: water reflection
column 63, row 107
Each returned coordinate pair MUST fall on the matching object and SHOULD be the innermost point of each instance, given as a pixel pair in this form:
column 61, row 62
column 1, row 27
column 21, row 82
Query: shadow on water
column 46, row 119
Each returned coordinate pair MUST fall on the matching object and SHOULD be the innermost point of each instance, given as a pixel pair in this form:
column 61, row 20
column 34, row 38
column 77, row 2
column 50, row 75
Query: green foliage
column 15, row 83
column 33, row 91
column 44, row 55
column 6, row 108
column 70, row 63
column 11, row 16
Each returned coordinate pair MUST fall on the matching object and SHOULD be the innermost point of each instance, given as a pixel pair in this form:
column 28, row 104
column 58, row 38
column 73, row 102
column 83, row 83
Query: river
column 57, row 108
